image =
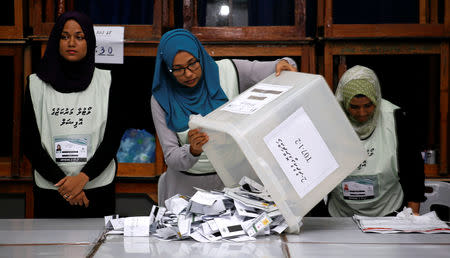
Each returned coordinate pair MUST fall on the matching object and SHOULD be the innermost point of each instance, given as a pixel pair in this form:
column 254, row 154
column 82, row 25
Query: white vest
column 373, row 189
column 229, row 83
column 72, row 126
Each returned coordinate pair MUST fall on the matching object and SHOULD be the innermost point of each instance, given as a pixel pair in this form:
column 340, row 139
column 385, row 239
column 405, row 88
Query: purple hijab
column 62, row 75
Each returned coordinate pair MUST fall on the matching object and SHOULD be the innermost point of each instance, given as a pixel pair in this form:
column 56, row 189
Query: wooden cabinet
column 11, row 19
column 44, row 12
column 194, row 12
column 21, row 188
column 430, row 101
column 14, row 179
column 11, row 54
column 409, row 30
column 12, row 45
column 12, row 63
column 231, row 29
column 409, row 18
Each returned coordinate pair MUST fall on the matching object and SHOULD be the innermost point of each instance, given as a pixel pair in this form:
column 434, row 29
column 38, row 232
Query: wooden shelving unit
column 15, row 29
column 426, row 37
column 13, row 45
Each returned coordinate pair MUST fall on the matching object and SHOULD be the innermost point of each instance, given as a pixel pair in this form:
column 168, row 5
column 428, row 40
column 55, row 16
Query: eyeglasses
column 192, row 67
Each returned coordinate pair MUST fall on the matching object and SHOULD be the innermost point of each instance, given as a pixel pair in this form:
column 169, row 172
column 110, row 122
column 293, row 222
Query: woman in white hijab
column 392, row 176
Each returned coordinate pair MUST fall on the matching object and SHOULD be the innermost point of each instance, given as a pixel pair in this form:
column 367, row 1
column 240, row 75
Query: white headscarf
column 360, row 80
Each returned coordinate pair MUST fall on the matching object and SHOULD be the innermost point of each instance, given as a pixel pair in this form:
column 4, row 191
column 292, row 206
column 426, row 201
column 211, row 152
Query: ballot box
column 288, row 133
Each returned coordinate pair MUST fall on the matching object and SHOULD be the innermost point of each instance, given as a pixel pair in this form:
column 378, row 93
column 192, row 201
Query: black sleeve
column 410, row 162
column 31, row 140
column 115, row 126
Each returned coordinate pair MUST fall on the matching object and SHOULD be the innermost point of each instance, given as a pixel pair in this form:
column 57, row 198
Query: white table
column 341, row 237
column 49, row 237
column 320, row 237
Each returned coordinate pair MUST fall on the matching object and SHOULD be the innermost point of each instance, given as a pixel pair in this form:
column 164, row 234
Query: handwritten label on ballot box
column 109, row 49
column 301, row 152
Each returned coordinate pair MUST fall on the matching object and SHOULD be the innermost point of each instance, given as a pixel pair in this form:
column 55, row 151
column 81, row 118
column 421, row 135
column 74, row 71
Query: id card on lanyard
column 360, row 188
column 71, row 149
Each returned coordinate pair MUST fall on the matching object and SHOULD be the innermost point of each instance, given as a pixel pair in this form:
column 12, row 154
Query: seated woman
column 188, row 81
column 392, row 176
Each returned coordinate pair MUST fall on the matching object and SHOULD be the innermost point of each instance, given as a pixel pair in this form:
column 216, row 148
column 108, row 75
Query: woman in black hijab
column 72, row 125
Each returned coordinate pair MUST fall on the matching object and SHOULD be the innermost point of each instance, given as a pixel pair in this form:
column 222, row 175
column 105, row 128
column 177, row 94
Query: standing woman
column 72, row 126
column 392, row 176
column 188, row 81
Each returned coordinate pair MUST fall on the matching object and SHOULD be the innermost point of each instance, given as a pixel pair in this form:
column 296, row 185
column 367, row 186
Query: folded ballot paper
column 404, row 222
column 233, row 214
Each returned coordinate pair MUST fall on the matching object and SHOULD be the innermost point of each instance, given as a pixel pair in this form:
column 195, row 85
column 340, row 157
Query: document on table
column 428, row 223
column 137, row 226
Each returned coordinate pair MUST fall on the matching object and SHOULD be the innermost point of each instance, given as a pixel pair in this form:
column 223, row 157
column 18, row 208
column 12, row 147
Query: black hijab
column 62, row 75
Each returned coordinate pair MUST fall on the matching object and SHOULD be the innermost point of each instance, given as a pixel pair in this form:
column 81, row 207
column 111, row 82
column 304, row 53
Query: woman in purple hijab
column 72, row 125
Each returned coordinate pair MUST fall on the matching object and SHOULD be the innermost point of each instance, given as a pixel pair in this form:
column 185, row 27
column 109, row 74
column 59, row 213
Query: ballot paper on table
column 137, row 226
column 117, row 224
column 205, row 198
column 156, row 214
column 252, row 184
column 245, row 211
column 214, row 209
column 108, row 220
column 229, row 227
column 177, row 203
column 404, row 222
column 257, row 224
column 234, row 214
column 114, row 223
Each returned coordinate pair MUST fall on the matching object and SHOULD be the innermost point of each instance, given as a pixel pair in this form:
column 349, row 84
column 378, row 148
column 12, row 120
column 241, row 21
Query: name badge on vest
column 73, row 149
column 360, row 188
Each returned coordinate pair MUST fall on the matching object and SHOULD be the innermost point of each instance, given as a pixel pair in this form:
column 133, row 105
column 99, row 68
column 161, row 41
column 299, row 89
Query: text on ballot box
column 109, row 48
column 301, row 152
column 287, row 132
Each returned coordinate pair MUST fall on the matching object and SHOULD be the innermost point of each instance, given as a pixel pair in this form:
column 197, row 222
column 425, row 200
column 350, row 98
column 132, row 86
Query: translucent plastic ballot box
column 290, row 134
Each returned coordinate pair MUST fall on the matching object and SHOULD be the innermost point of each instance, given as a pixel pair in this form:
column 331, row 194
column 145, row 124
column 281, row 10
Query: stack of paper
column 234, row 214
column 404, row 222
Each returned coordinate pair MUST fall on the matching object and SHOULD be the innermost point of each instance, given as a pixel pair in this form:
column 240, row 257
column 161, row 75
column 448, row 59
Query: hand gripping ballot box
column 290, row 134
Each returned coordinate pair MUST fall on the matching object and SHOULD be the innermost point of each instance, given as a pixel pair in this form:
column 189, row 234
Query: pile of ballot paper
column 235, row 214
column 404, row 222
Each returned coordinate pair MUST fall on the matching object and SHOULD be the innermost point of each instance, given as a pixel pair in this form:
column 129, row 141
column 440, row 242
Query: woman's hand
column 196, row 140
column 415, row 207
column 71, row 186
column 80, row 199
column 284, row 65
